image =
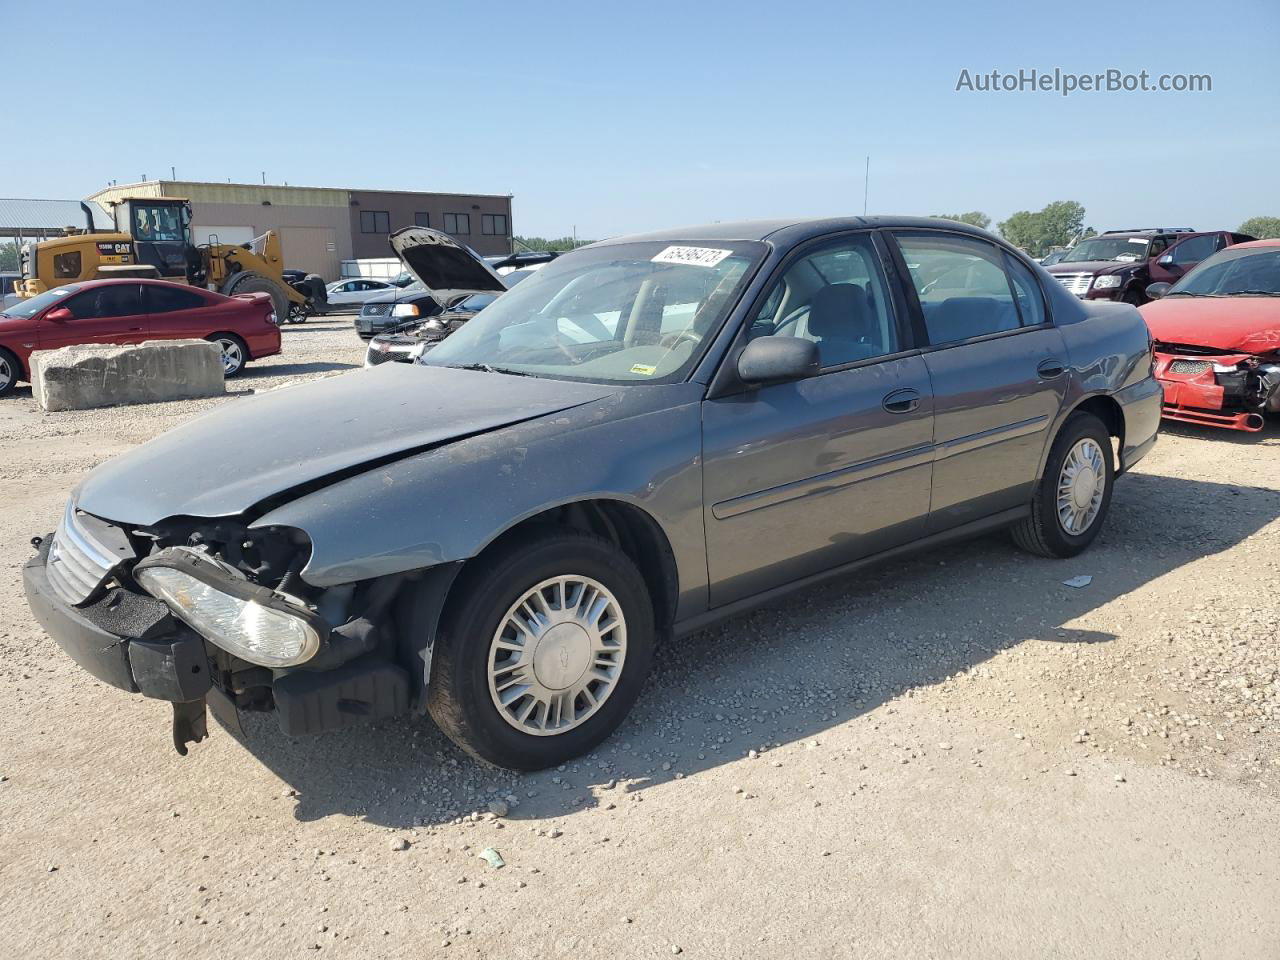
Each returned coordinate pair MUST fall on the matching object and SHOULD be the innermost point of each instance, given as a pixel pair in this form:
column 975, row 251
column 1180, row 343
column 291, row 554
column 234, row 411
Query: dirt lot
column 953, row 756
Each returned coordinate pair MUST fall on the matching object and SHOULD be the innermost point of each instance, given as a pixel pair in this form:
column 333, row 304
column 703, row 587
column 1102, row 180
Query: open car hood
column 447, row 268
column 1231, row 324
column 256, row 449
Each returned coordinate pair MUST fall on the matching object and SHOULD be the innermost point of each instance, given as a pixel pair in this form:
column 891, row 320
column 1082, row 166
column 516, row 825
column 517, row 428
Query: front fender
column 447, row 504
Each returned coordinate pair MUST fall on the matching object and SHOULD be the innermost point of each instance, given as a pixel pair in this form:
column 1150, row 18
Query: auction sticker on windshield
column 693, row 256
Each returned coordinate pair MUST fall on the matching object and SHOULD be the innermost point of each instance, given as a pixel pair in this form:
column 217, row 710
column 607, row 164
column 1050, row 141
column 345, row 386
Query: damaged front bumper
column 132, row 641
column 1233, row 391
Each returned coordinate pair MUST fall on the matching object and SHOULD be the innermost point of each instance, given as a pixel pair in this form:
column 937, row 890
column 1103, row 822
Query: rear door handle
column 1051, row 369
column 901, row 401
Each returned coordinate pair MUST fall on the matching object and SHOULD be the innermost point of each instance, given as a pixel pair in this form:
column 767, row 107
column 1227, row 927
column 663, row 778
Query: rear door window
column 168, row 299
column 961, row 285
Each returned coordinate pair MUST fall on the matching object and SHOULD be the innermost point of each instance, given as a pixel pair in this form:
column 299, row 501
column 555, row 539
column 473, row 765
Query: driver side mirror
column 59, row 315
column 1157, row 290
column 777, row 360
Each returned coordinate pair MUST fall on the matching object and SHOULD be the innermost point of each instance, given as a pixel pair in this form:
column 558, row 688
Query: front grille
column 377, row 356
column 1077, row 283
column 1190, row 367
column 375, row 309
column 78, row 564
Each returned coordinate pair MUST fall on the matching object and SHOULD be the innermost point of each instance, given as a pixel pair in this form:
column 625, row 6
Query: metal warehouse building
column 319, row 227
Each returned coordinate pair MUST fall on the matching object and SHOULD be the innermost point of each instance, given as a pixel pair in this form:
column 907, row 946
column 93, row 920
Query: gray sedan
column 649, row 434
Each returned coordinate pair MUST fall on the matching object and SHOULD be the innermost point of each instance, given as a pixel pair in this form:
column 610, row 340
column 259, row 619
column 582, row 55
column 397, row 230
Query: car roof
column 787, row 231
column 1274, row 242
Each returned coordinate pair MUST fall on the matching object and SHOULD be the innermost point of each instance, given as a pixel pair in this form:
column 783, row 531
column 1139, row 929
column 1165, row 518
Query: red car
column 1217, row 338
column 131, row 311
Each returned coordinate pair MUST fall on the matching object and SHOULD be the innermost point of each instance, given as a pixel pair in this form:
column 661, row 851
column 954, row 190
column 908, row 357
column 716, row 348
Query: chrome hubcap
column 1081, row 484
column 6, row 373
column 231, row 356
column 557, row 655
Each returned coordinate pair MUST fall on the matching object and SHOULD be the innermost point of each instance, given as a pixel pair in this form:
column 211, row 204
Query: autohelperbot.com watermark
column 1065, row 83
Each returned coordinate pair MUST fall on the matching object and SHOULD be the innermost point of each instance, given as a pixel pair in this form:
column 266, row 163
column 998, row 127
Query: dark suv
column 1119, row 264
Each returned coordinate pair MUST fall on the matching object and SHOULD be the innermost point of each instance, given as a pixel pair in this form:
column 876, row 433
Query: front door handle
column 1051, row 369
column 901, row 401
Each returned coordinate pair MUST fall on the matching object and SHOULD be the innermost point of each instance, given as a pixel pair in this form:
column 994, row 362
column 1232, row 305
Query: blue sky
column 622, row 117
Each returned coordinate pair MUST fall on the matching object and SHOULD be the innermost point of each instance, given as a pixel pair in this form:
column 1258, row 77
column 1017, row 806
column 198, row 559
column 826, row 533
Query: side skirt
column 963, row 532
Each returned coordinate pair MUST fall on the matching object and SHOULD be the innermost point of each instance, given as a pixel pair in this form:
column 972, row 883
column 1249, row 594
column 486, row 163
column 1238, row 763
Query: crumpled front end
column 195, row 611
column 1219, row 389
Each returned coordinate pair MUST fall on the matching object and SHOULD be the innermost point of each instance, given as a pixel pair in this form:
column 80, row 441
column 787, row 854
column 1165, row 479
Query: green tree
column 542, row 243
column 8, row 256
column 1056, row 225
column 975, row 218
column 1264, row 228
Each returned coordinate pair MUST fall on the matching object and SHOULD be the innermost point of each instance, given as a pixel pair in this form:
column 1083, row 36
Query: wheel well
column 628, row 527
column 1108, row 411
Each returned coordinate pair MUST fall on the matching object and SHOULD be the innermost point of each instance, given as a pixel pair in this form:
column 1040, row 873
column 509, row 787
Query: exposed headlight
column 1106, row 282
column 405, row 310
column 249, row 621
column 1226, row 368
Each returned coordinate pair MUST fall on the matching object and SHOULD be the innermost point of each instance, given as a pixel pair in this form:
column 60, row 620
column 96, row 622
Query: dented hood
column 248, row 450
column 1231, row 324
column 445, row 267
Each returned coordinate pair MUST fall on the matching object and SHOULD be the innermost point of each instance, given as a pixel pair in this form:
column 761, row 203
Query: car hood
column 442, row 265
column 260, row 448
column 1231, row 324
column 1092, row 266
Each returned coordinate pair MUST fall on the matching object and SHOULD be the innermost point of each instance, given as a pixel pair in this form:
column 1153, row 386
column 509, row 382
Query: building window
column 494, row 224
column 375, row 221
column 422, row 219
column 457, row 223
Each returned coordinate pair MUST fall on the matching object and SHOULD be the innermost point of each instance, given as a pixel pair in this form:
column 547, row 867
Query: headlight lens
column 254, row 630
column 1106, row 282
column 405, row 310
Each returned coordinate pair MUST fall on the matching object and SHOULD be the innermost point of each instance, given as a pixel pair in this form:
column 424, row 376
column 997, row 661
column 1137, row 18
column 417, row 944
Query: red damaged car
column 1217, row 338
column 131, row 311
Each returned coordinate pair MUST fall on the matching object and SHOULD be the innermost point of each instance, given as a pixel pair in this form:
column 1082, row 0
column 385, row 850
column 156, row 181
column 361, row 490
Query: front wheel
column 542, row 651
column 297, row 313
column 1072, row 498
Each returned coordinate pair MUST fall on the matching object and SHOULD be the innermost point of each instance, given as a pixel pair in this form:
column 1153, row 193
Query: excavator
column 152, row 238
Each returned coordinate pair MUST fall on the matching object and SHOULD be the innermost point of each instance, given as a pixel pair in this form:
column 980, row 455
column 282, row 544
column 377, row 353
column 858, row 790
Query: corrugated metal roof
column 34, row 215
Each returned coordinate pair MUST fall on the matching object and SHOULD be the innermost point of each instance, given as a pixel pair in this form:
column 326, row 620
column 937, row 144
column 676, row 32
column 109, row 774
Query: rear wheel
column 235, row 354
column 248, row 282
column 542, row 651
column 10, row 369
column 297, row 313
column 1072, row 498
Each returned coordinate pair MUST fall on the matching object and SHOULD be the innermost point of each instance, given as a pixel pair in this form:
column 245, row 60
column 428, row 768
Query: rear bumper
column 1140, row 404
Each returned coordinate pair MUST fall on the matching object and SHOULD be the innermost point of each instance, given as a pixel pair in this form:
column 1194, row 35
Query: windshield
column 474, row 303
column 29, row 308
column 1124, row 249
column 1234, row 272
column 618, row 313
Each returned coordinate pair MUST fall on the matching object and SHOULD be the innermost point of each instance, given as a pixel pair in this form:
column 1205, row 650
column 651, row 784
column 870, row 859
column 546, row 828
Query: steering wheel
column 672, row 340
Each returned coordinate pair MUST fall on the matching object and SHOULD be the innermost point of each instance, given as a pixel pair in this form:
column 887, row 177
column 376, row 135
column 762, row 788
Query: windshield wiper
column 485, row 368
column 1184, row 293
column 1253, row 293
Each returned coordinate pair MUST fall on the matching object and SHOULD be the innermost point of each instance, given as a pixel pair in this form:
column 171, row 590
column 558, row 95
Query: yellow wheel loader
column 152, row 238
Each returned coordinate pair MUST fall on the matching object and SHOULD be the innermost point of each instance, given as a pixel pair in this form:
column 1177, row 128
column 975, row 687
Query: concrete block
column 106, row 375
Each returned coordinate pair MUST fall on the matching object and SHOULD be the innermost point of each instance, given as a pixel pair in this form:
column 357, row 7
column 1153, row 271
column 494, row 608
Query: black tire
column 10, row 371
column 249, row 282
column 459, row 697
column 297, row 313
column 228, row 371
column 1134, row 297
column 1043, row 533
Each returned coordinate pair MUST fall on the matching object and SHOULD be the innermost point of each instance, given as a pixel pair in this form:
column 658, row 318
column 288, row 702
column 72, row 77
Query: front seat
column 843, row 324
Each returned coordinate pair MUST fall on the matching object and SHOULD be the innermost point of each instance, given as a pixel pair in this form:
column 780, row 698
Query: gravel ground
column 956, row 755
